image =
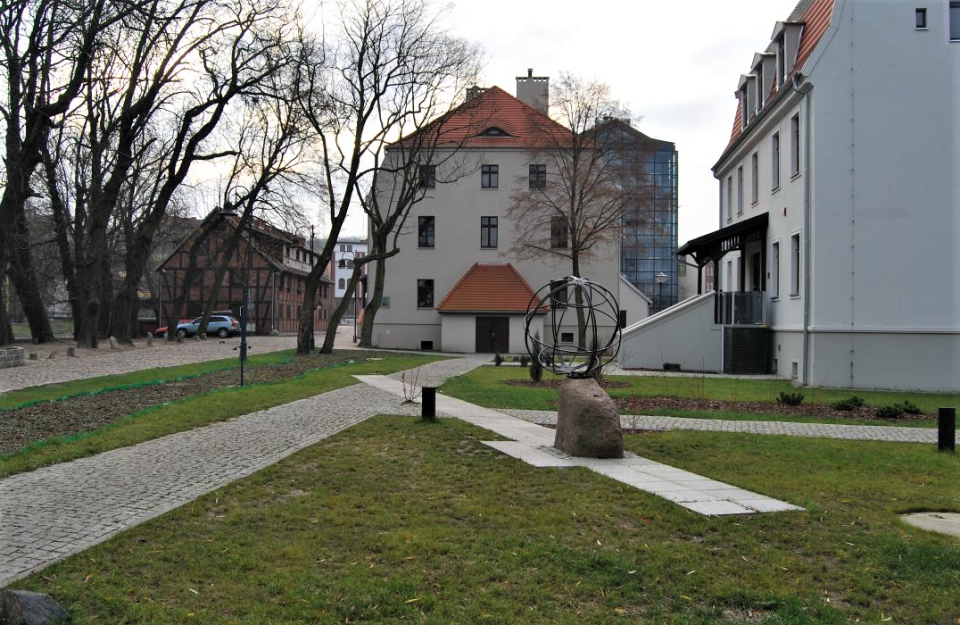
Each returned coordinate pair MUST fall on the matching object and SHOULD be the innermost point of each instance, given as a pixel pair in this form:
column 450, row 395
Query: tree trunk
column 6, row 329
column 581, row 320
column 341, row 309
column 25, row 283
column 373, row 306
column 305, row 322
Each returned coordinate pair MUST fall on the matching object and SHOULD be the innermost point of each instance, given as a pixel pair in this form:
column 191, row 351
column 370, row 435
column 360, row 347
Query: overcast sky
column 675, row 64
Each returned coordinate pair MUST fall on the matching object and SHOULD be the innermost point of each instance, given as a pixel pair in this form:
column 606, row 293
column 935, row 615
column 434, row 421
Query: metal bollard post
column 428, row 402
column 947, row 429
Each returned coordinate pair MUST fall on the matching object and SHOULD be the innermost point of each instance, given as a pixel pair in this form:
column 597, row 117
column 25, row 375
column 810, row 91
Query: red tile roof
column 816, row 19
column 495, row 108
column 488, row 289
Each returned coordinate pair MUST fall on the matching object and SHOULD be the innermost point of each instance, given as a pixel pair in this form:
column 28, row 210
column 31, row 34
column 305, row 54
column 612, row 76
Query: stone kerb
column 11, row 357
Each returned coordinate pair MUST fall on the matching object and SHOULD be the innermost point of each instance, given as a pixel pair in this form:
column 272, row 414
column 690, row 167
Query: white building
column 345, row 253
column 839, row 208
column 455, row 285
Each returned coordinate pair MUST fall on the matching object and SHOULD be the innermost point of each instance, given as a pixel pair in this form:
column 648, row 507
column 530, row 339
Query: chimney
column 474, row 91
column 534, row 91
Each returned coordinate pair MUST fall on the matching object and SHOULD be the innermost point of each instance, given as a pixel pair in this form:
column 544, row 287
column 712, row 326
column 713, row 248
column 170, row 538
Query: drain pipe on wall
column 803, row 88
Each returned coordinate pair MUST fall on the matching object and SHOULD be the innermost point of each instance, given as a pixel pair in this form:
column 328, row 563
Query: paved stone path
column 782, row 428
column 533, row 444
column 50, row 513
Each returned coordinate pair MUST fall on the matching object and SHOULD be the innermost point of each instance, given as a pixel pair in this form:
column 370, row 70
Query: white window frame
column 775, row 160
column 775, row 270
column 953, row 20
column 795, row 260
column 740, row 190
column 755, row 177
column 729, row 198
column 795, row 145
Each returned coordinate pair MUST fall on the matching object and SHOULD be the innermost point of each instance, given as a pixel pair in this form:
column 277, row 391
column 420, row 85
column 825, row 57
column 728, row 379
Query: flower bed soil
column 77, row 415
column 656, row 405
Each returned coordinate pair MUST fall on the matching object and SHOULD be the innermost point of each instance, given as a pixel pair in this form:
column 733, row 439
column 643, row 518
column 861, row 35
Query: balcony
column 740, row 308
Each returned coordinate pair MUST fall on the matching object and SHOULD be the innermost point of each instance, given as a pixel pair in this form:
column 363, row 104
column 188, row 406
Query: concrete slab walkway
column 779, row 428
column 533, row 444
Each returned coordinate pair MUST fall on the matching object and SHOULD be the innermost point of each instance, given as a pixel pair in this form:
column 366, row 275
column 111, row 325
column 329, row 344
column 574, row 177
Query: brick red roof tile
column 816, row 20
column 488, row 289
column 494, row 107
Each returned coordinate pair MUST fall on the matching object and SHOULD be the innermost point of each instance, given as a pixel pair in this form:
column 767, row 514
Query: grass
column 198, row 410
column 89, row 386
column 485, row 386
column 22, row 330
column 397, row 520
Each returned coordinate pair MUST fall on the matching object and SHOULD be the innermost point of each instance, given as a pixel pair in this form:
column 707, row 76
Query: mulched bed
column 656, row 405
column 650, row 405
column 76, row 415
column 556, row 384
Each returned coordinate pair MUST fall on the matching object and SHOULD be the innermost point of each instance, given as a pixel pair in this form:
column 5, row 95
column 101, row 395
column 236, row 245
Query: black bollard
column 428, row 402
column 947, row 429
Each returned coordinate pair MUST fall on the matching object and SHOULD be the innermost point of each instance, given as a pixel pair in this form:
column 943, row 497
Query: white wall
column 683, row 334
column 457, row 208
column 632, row 301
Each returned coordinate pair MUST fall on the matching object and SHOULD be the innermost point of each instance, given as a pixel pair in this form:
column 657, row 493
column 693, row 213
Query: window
column 775, row 160
column 489, row 176
column 623, row 319
column 343, row 248
column 781, row 62
column 775, row 270
column 744, row 108
column 559, row 234
column 761, row 96
column 566, row 337
column 729, row 198
column 341, row 283
column 755, row 178
column 538, row 176
column 921, row 19
column 558, row 297
column 488, row 232
column 428, row 176
column 424, row 293
column 795, row 264
column 954, row 20
column 349, row 247
column 739, row 190
column 493, row 131
column 425, row 231
column 795, row 148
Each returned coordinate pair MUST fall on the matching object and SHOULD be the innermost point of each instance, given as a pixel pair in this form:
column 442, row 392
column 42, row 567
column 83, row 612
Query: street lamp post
column 661, row 278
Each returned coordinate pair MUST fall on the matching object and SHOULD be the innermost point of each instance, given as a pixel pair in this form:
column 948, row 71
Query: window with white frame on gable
column 537, row 176
column 795, row 264
column 559, row 233
column 729, row 198
column 740, row 190
column 488, row 232
column 755, row 178
column 489, row 176
column 920, row 17
column 426, row 231
column 424, row 293
column 775, row 270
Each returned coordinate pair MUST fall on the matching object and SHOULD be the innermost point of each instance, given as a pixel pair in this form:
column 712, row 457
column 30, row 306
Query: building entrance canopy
column 714, row 246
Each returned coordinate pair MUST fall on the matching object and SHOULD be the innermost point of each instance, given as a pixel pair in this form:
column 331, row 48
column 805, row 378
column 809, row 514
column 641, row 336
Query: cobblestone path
column 50, row 513
column 783, row 428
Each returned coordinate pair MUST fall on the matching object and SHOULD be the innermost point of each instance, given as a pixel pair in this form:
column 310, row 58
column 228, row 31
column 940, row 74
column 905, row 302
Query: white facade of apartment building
column 853, row 164
column 462, row 242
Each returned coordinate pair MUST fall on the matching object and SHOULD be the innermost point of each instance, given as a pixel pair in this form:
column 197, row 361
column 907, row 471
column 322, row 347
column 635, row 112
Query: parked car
column 220, row 325
column 161, row 332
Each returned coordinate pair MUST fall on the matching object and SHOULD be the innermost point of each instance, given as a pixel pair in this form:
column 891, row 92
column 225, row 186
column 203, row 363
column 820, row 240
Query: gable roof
column 490, row 289
column 495, row 108
column 815, row 16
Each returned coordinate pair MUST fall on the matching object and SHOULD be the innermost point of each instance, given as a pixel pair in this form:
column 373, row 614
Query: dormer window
column 781, row 62
column 493, row 131
column 761, row 96
column 744, row 107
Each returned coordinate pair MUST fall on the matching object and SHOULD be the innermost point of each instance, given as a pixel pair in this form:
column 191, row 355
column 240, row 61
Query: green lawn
column 485, row 386
column 397, row 520
column 48, row 392
column 217, row 405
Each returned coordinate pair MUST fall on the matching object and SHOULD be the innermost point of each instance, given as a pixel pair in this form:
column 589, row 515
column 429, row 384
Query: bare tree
column 389, row 66
column 46, row 50
column 577, row 202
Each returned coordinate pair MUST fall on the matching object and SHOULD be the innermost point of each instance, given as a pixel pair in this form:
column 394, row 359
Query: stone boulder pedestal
column 588, row 422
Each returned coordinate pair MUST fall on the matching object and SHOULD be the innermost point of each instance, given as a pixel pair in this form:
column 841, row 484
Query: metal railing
column 736, row 308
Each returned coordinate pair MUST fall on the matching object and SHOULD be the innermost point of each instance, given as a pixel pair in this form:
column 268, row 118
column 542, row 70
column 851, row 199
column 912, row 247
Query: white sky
column 675, row 63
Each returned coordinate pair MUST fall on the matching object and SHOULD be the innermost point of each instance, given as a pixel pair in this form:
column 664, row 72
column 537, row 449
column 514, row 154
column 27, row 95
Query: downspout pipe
column 804, row 88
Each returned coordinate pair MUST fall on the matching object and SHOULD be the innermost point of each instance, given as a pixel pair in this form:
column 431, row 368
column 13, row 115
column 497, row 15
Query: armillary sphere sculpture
column 566, row 302
column 588, row 422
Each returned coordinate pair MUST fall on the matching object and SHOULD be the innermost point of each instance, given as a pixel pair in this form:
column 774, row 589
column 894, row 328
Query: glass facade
column 650, row 227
